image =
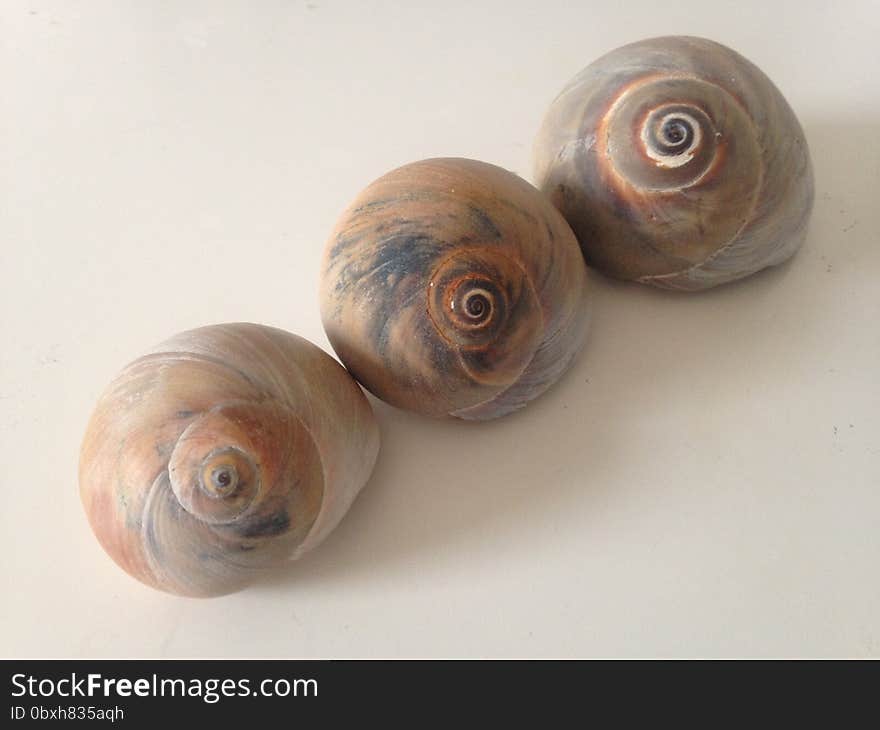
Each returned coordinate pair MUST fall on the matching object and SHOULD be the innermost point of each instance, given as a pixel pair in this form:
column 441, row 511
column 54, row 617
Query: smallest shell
column 453, row 287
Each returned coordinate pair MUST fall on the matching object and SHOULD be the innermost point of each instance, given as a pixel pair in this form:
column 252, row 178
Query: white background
column 705, row 481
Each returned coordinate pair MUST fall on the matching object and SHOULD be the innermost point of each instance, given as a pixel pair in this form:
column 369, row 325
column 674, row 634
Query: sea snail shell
column 677, row 163
column 453, row 287
column 226, row 450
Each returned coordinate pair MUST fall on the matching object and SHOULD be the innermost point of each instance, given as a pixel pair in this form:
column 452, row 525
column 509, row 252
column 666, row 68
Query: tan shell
column 453, row 287
column 677, row 163
column 224, row 451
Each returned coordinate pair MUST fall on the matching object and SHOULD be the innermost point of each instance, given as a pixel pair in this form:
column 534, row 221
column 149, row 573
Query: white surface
column 706, row 481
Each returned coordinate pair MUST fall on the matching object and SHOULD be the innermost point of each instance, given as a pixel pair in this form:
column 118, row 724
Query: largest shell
column 677, row 163
column 225, row 451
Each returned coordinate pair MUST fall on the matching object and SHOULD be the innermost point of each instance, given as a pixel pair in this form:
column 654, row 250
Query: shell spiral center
column 468, row 299
column 661, row 134
column 212, row 468
column 671, row 137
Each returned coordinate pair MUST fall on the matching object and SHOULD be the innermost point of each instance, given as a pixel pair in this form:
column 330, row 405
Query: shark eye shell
column 453, row 287
column 205, row 461
column 678, row 163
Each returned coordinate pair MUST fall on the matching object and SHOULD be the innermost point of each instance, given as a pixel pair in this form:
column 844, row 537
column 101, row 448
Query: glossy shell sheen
column 224, row 451
column 677, row 163
column 453, row 287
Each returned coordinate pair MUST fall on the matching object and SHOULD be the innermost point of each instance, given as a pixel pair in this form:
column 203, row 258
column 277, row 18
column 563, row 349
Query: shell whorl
column 483, row 305
column 678, row 163
column 205, row 462
column 452, row 287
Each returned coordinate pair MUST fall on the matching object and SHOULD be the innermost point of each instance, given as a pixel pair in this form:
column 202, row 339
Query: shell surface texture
column 225, row 451
column 452, row 287
column 678, row 163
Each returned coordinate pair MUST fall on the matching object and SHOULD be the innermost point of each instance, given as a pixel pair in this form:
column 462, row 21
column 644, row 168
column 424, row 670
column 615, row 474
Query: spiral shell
column 677, row 163
column 453, row 287
column 225, row 451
